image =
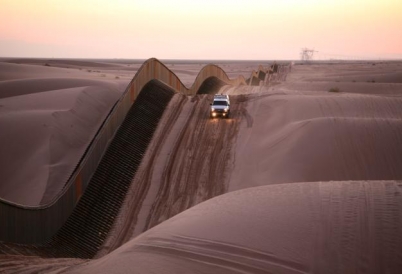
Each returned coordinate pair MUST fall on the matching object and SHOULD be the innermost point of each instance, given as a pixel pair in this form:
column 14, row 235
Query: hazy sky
column 200, row 29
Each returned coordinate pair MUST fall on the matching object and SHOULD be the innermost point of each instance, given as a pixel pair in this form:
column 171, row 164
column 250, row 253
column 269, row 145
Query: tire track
column 196, row 170
column 163, row 190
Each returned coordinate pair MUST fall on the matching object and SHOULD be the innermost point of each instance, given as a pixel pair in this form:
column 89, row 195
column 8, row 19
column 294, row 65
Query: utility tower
column 307, row 54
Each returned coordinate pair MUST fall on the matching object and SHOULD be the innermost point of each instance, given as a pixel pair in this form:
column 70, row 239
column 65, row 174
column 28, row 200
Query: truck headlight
column 212, row 109
column 226, row 109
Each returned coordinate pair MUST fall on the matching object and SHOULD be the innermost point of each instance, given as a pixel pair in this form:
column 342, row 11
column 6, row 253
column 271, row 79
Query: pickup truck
column 220, row 106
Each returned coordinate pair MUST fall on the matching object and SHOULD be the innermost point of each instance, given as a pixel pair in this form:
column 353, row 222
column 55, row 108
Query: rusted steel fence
column 36, row 224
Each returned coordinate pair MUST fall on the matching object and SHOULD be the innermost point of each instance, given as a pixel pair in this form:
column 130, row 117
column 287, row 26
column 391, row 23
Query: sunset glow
column 204, row 29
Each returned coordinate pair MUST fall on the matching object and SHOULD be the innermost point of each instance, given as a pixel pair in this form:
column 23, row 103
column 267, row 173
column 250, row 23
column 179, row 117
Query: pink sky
column 200, row 29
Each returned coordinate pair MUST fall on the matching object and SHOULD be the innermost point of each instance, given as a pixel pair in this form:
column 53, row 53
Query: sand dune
column 319, row 137
column 322, row 227
column 41, row 128
column 290, row 135
column 12, row 71
column 69, row 63
column 27, row 86
column 373, row 72
column 340, row 144
column 39, row 69
column 50, row 122
column 312, row 177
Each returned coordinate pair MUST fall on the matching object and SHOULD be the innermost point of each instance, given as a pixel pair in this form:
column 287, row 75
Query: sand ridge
column 314, row 182
column 51, row 115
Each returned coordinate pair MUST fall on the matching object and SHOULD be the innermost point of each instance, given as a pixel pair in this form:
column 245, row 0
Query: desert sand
column 48, row 115
column 298, row 180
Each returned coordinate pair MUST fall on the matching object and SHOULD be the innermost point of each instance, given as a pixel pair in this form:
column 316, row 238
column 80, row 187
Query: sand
column 299, row 180
column 341, row 145
column 319, row 136
column 50, row 115
column 322, row 227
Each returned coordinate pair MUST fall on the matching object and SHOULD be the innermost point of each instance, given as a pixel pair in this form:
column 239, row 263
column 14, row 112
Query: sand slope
column 322, row 227
column 293, row 132
column 314, row 178
column 287, row 136
column 46, row 135
column 47, row 121
column 344, row 219
column 318, row 137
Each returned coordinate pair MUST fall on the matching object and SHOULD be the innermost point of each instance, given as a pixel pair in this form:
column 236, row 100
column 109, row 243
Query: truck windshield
column 220, row 103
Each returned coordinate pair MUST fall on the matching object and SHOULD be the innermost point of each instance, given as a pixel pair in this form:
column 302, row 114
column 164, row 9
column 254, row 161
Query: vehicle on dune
column 220, row 106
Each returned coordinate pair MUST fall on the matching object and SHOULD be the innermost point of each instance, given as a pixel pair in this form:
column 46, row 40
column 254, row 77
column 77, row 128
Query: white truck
column 220, row 106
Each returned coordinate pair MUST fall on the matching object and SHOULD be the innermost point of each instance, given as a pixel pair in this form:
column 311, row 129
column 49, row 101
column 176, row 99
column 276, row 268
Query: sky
column 201, row 29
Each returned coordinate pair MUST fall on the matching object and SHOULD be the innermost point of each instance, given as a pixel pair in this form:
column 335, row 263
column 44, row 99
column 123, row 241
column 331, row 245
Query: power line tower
column 307, row 54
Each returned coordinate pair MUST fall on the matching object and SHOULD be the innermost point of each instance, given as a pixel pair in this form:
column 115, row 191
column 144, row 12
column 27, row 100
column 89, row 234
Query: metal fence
column 36, row 224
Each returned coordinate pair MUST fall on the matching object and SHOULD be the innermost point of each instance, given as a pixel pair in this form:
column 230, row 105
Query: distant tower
column 307, row 54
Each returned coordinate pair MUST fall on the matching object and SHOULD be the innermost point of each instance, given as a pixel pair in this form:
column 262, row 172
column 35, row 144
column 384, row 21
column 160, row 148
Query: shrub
column 334, row 90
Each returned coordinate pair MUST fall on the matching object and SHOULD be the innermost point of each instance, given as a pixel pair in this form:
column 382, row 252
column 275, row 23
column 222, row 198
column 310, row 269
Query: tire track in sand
column 185, row 164
column 196, row 170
